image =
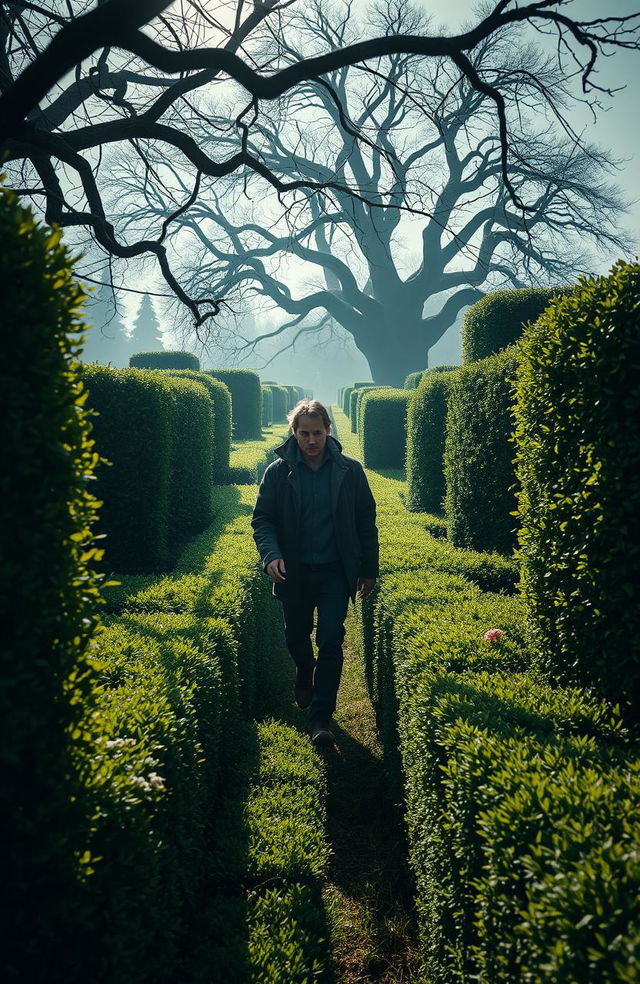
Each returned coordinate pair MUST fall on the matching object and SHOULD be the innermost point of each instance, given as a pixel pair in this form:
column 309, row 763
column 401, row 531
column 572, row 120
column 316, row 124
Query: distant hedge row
column 221, row 399
column 157, row 432
column 382, row 425
column 165, row 360
column 246, row 399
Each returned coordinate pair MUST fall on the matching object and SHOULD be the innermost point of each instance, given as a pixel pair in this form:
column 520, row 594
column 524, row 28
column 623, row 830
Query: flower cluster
column 493, row 635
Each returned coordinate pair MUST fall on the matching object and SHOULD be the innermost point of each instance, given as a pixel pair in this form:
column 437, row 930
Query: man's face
column 311, row 435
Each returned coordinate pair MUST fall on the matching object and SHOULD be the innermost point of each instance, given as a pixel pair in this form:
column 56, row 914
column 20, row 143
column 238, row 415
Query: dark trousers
column 325, row 589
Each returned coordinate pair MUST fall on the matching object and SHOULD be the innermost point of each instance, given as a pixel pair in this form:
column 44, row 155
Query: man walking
column 314, row 524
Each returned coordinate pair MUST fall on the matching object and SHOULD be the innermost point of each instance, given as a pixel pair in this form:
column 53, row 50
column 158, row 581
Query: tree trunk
column 393, row 353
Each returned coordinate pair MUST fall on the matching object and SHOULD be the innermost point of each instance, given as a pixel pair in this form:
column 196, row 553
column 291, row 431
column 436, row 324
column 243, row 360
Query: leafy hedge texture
column 246, row 399
column 480, row 477
column 497, row 320
column 165, row 360
column 49, row 591
column 267, row 405
column 221, row 398
column 279, row 396
column 383, row 427
column 354, row 402
column 413, row 380
column 426, row 428
column 191, row 459
column 579, row 463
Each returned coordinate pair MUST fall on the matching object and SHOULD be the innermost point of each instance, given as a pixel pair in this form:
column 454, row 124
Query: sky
column 615, row 128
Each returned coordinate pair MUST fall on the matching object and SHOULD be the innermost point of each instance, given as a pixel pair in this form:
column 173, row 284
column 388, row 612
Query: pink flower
column 493, row 635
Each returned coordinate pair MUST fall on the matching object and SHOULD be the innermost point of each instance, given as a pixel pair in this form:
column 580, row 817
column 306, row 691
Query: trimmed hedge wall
column 246, row 400
column 480, row 480
column 413, row 380
column 426, row 428
column 579, row 462
column 354, row 402
column 49, row 591
column 347, row 395
column 382, row 427
column 279, row 397
column 135, row 488
column 221, row 398
column 267, row 405
column 191, row 459
column 165, row 360
column 497, row 320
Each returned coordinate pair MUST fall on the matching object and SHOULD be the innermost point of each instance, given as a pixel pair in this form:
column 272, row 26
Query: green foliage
column 382, row 427
column 250, row 458
column 354, row 401
column 579, row 464
column 221, row 398
column 426, row 428
column 132, row 431
column 279, row 397
column 246, row 399
column 347, row 395
column 480, row 479
column 413, row 379
column 165, row 360
column 497, row 320
column 267, row 405
column 49, row 591
column 191, row 459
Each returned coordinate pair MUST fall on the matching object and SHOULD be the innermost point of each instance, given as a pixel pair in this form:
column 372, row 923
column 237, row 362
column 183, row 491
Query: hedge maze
column 162, row 824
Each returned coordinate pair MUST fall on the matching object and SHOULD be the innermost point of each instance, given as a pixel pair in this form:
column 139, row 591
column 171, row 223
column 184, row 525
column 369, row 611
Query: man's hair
column 308, row 408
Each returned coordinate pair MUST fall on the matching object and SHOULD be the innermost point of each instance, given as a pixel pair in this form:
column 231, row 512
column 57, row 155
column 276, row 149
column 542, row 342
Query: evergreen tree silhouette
column 106, row 340
column 147, row 334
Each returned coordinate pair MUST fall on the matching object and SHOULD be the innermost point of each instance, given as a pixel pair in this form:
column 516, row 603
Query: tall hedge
column 413, row 380
column 165, row 360
column 354, row 401
column 478, row 458
column 191, row 460
column 48, row 589
column 221, row 398
column 267, row 405
column 279, row 397
column 246, row 401
column 578, row 458
column 426, row 421
column 497, row 320
column 132, row 430
column 347, row 395
column 383, row 427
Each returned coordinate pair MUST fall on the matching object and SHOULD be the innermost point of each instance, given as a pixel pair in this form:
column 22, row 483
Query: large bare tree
column 417, row 140
column 77, row 80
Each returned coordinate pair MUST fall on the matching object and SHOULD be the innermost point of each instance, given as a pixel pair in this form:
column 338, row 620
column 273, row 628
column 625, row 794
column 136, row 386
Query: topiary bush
column 426, row 423
column 413, row 380
column 246, row 400
column 383, row 427
column 497, row 320
column 480, row 478
column 279, row 397
column 221, row 399
column 191, row 460
column 354, row 402
column 267, row 405
column 132, row 430
column 165, row 360
column 578, row 459
column 49, row 590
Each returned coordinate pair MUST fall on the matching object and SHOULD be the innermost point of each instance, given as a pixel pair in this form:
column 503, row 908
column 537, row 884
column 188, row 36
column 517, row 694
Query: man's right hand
column 276, row 570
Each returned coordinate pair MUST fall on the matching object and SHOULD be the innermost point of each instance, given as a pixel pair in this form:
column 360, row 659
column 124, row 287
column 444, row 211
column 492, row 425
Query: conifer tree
column 147, row 334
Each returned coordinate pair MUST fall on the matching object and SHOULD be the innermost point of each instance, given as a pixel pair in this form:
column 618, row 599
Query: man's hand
column 276, row 570
column 365, row 586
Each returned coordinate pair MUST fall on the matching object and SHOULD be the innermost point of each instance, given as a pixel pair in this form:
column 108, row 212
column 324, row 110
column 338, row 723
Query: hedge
column 267, row 405
column 221, row 398
column 522, row 802
column 192, row 437
column 279, row 396
column 382, row 427
column 347, row 395
column 49, row 589
column 413, row 380
column 426, row 428
column 579, row 463
column 246, row 400
column 497, row 320
column 250, row 458
column 165, row 360
column 354, row 402
column 480, row 497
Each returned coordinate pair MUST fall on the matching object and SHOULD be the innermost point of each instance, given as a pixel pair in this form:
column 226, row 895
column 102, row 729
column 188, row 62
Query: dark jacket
column 276, row 517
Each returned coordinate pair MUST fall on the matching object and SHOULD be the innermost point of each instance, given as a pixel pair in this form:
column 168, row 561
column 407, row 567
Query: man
column 314, row 524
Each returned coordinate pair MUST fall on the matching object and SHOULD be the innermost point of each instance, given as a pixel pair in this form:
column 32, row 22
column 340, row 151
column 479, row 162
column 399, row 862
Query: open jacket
column 277, row 525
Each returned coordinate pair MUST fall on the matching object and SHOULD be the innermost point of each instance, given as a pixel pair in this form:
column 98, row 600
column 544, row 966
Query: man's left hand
column 365, row 586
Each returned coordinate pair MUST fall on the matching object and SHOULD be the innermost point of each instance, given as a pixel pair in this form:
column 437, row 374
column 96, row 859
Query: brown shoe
column 321, row 734
column 303, row 687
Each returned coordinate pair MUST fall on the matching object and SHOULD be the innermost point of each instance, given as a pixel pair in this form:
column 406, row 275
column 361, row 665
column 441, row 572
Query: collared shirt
column 317, row 536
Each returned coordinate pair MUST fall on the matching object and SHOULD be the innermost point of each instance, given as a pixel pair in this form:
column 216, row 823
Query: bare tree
column 416, row 140
column 77, row 81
